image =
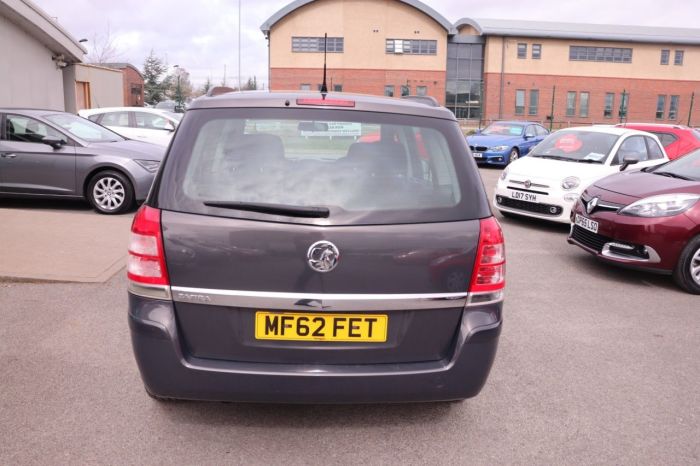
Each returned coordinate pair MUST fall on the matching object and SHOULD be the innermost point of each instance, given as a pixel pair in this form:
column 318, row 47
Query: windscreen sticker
column 569, row 143
column 515, row 131
column 595, row 156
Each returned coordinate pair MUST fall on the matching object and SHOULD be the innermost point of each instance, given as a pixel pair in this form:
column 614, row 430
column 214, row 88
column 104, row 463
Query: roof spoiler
column 218, row 90
column 423, row 99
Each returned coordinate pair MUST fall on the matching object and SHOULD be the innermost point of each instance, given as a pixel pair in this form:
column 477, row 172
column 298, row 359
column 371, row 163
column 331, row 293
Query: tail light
column 146, row 261
column 489, row 275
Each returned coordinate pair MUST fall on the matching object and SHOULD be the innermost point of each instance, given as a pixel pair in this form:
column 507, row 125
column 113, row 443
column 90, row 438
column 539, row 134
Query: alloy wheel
column 695, row 267
column 109, row 193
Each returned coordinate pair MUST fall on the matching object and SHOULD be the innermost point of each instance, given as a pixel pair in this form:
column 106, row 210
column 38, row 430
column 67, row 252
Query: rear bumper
column 168, row 371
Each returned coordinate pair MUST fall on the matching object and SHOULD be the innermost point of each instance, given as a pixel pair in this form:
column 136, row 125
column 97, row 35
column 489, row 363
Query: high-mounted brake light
column 489, row 275
column 146, row 260
column 326, row 102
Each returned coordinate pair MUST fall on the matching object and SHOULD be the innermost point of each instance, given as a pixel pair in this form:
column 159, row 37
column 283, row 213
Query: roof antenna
column 324, row 87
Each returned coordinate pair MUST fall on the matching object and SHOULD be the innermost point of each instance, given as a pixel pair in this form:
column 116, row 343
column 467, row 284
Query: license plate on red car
column 586, row 223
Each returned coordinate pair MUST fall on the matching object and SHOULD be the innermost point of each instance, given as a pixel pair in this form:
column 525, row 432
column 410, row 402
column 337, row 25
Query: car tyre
column 687, row 271
column 513, row 156
column 110, row 192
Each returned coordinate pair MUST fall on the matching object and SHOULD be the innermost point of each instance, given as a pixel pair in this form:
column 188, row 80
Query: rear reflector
column 489, row 273
column 146, row 260
column 326, row 102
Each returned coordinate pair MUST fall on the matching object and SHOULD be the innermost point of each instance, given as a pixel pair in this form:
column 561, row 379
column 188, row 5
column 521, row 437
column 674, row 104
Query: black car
column 279, row 258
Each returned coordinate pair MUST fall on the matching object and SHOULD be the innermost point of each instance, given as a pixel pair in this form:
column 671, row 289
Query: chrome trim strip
column 318, row 301
column 150, row 291
column 654, row 257
column 536, row 185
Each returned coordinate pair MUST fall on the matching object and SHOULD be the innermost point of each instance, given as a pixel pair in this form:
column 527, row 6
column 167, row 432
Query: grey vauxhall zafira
column 306, row 248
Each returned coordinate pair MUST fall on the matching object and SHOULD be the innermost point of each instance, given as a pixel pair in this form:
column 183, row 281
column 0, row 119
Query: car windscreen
column 290, row 164
column 503, row 129
column 83, row 128
column 686, row 167
column 576, row 146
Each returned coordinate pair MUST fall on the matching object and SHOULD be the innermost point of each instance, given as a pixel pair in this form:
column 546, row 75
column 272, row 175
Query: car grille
column 589, row 239
column 543, row 209
column 479, row 148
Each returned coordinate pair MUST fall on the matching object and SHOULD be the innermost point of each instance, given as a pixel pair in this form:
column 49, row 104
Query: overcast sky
column 202, row 35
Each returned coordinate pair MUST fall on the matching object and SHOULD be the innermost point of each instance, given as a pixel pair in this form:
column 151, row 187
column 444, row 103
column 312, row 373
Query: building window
column 678, row 57
column 660, row 107
column 389, row 91
column 534, row 102
column 411, row 46
column 305, row 87
column 315, row 44
column 536, row 51
column 520, row 102
column 337, row 88
column 609, row 104
column 605, row 54
column 665, row 56
column 522, row 50
column 464, row 85
column 624, row 103
column 405, row 90
column 584, row 97
column 673, row 107
column 422, row 90
column 570, row 104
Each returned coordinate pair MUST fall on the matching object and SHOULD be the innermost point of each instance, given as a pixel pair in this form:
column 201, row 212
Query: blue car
column 502, row 142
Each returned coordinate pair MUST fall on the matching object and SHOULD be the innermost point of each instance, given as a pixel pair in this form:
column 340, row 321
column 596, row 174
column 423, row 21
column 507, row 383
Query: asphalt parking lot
column 596, row 365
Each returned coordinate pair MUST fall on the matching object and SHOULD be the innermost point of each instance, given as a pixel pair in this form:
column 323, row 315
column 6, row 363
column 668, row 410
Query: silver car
column 50, row 154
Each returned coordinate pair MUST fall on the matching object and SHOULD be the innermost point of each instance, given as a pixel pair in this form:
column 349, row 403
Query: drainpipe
column 503, row 68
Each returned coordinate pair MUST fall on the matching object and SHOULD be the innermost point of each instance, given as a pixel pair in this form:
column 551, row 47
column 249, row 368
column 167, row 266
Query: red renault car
column 678, row 140
column 647, row 219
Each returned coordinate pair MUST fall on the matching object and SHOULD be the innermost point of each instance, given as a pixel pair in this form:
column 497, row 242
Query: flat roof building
column 489, row 69
column 35, row 50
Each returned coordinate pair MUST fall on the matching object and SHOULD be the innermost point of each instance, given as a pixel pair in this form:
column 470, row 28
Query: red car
column 647, row 219
column 677, row 140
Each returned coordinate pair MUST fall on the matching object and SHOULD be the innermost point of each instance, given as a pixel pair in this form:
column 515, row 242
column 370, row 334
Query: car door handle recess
column 8, row 155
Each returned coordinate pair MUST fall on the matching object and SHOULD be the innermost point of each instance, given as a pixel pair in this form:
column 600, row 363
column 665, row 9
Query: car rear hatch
column 258, row 205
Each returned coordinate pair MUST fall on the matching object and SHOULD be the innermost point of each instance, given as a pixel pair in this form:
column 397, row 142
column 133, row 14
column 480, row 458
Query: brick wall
column 643, row 94
column 132, row 77
column 360, row 80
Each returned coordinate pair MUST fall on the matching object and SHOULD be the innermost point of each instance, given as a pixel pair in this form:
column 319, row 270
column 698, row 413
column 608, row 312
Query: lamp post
column 178, row 91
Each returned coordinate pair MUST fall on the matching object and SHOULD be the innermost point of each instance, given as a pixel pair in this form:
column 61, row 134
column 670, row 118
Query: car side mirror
column 52, row 141
column 478, row 131
column 529, row 136
column 627, row 161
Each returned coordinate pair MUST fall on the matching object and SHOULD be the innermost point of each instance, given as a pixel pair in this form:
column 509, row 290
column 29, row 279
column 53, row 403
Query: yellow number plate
column 320, row 327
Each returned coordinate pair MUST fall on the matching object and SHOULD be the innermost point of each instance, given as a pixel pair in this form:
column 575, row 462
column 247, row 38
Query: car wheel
column 514, row 155
column 110, row 192
column 687, row 272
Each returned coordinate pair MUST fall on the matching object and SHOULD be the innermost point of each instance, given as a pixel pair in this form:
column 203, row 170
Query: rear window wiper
column 274, row 209
column 673, row 175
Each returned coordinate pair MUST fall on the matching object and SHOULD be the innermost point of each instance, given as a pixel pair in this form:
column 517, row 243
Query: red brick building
column 486, row 69
column 383, row 47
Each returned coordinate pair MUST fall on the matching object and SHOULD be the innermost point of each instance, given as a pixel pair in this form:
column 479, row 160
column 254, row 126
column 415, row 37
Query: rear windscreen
column 362, row 167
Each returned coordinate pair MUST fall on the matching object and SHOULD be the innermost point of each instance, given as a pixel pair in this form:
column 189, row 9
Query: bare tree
column 103, row 49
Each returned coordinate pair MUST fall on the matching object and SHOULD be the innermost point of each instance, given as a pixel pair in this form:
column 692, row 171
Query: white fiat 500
column 547, row 183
